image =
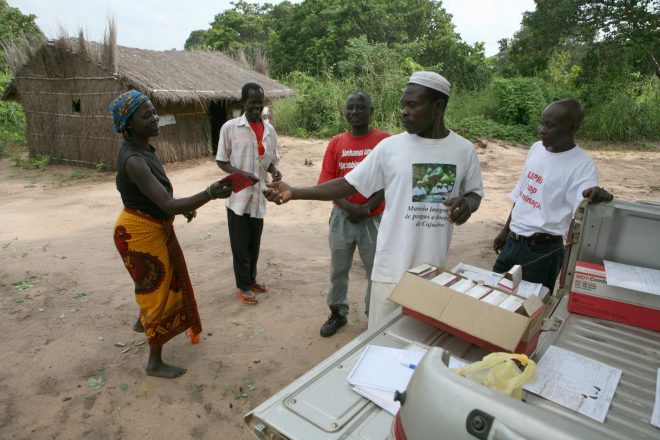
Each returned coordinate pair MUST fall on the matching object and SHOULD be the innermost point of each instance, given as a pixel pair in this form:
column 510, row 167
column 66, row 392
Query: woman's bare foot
column 138, row 327
column 165, row 370
column 156, row 366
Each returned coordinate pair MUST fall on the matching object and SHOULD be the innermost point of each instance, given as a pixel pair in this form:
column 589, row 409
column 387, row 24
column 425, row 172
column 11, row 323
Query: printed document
column 527, row 289
column 576, row 382
column 384, row 368
column 632, row 277
column 381, row 371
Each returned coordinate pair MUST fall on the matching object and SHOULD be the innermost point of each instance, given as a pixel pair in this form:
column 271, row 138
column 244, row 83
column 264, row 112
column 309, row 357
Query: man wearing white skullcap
column 431, row 80
column 413, row 230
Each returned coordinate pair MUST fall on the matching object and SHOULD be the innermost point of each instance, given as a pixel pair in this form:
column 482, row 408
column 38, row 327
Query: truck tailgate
column 321, row 404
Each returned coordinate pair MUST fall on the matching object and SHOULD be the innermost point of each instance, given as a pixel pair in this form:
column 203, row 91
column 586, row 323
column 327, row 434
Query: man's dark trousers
column 245, row 239
column 540, row 261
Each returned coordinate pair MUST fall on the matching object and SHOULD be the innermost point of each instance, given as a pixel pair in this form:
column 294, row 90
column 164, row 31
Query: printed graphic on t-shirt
column 432, row 182
column 528, row 190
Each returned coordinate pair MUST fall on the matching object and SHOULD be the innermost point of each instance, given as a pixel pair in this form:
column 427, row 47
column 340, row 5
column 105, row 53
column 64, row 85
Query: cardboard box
column 486, row 325
column 592, row 296
column 511, row 279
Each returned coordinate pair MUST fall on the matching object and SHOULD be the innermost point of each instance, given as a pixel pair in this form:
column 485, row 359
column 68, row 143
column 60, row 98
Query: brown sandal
column 259, row 288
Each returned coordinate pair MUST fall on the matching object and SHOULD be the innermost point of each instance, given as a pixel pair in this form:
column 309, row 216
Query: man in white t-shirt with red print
column 557, row 175
column 355, row 219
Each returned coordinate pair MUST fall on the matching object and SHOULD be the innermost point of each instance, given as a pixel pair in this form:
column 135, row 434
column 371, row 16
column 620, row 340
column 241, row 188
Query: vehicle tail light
column 397, row 428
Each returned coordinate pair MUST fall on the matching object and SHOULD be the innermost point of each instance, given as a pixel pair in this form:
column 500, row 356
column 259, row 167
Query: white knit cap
column 431, row 80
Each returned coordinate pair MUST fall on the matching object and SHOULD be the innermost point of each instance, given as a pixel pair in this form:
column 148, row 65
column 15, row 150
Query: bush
column 518, row 101
column 12, row 125
column 631, row 113
column 477, row 127
column 12, row 129
column 317, row 108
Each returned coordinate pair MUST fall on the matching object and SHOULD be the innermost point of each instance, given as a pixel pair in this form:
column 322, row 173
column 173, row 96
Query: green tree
column 246, row 26
column 587, row 29
column 634, row 24
column 313, row 36
column 14, row 25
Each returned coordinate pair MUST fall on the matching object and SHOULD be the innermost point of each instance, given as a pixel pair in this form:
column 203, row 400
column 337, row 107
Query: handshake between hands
column 278, row 192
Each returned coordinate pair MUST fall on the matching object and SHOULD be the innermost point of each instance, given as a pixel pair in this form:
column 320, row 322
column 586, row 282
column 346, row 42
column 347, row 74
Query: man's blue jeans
column 540, row 261
column 344, row 237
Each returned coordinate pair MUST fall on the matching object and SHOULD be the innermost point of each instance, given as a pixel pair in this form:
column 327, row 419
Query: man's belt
column 539, row 237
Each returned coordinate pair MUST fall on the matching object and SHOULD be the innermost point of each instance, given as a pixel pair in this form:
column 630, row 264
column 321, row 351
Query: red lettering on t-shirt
column 535, row 177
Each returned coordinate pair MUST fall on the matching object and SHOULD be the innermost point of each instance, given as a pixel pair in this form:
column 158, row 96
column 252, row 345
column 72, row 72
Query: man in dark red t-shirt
column 354, row 220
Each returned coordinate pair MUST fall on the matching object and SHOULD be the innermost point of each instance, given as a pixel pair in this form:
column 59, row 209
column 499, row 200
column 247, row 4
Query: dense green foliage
column 601, row 52
column 13, row 26
column 314, row 37
column 604, row 53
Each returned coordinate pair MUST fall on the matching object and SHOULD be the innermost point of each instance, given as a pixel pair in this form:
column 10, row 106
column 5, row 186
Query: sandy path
column 56, row 243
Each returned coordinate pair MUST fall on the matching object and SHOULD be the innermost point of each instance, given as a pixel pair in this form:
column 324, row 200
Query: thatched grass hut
column 65, row 86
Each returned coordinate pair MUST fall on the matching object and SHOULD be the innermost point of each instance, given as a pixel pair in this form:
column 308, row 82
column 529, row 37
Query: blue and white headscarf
column 123, row 106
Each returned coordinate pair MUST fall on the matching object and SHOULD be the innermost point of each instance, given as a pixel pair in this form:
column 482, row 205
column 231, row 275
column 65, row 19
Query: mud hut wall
column 189, row 137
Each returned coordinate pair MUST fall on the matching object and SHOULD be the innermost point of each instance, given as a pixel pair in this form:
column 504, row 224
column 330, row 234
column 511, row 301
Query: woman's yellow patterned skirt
column 153, row 258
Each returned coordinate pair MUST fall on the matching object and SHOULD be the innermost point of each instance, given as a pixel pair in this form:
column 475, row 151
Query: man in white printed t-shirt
column 557, row 176
column 413, row 230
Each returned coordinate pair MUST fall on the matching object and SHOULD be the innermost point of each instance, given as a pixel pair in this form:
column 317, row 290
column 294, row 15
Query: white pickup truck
column 438, row 403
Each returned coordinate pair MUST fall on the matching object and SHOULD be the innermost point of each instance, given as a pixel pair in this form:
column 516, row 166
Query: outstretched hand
column 220, row 190
column 278, row 192
column 190, row 215
column 596, row 194
column 459, row 210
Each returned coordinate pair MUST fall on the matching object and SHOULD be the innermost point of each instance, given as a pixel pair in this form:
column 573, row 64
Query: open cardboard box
column 486, row 325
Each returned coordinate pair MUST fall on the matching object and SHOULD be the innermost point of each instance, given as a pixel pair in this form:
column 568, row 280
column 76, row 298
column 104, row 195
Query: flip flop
column 259, row 288
column 248, row 298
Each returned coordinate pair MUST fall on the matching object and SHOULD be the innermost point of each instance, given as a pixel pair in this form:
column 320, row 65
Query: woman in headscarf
column 144, row 234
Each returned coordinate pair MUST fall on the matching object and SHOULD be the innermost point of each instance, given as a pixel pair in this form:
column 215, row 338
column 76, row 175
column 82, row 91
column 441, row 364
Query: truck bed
column 321, row 404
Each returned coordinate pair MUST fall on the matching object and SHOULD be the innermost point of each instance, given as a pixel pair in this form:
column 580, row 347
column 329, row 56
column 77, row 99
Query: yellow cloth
column 153, row 258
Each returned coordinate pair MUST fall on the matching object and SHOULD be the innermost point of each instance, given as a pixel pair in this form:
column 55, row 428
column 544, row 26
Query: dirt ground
column 67, row 308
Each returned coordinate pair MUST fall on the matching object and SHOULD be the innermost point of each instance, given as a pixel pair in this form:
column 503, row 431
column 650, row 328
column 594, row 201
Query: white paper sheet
column 512, row 303
column 444, row 278
column 478, row 291
column 486, row 277
column 381, row 368
column 563, row 375
column 385, row 399
column 495, row 297
column 422, row 268
column 462, row 285
column 655, row 418
column 527, row 289
column 632, row 277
